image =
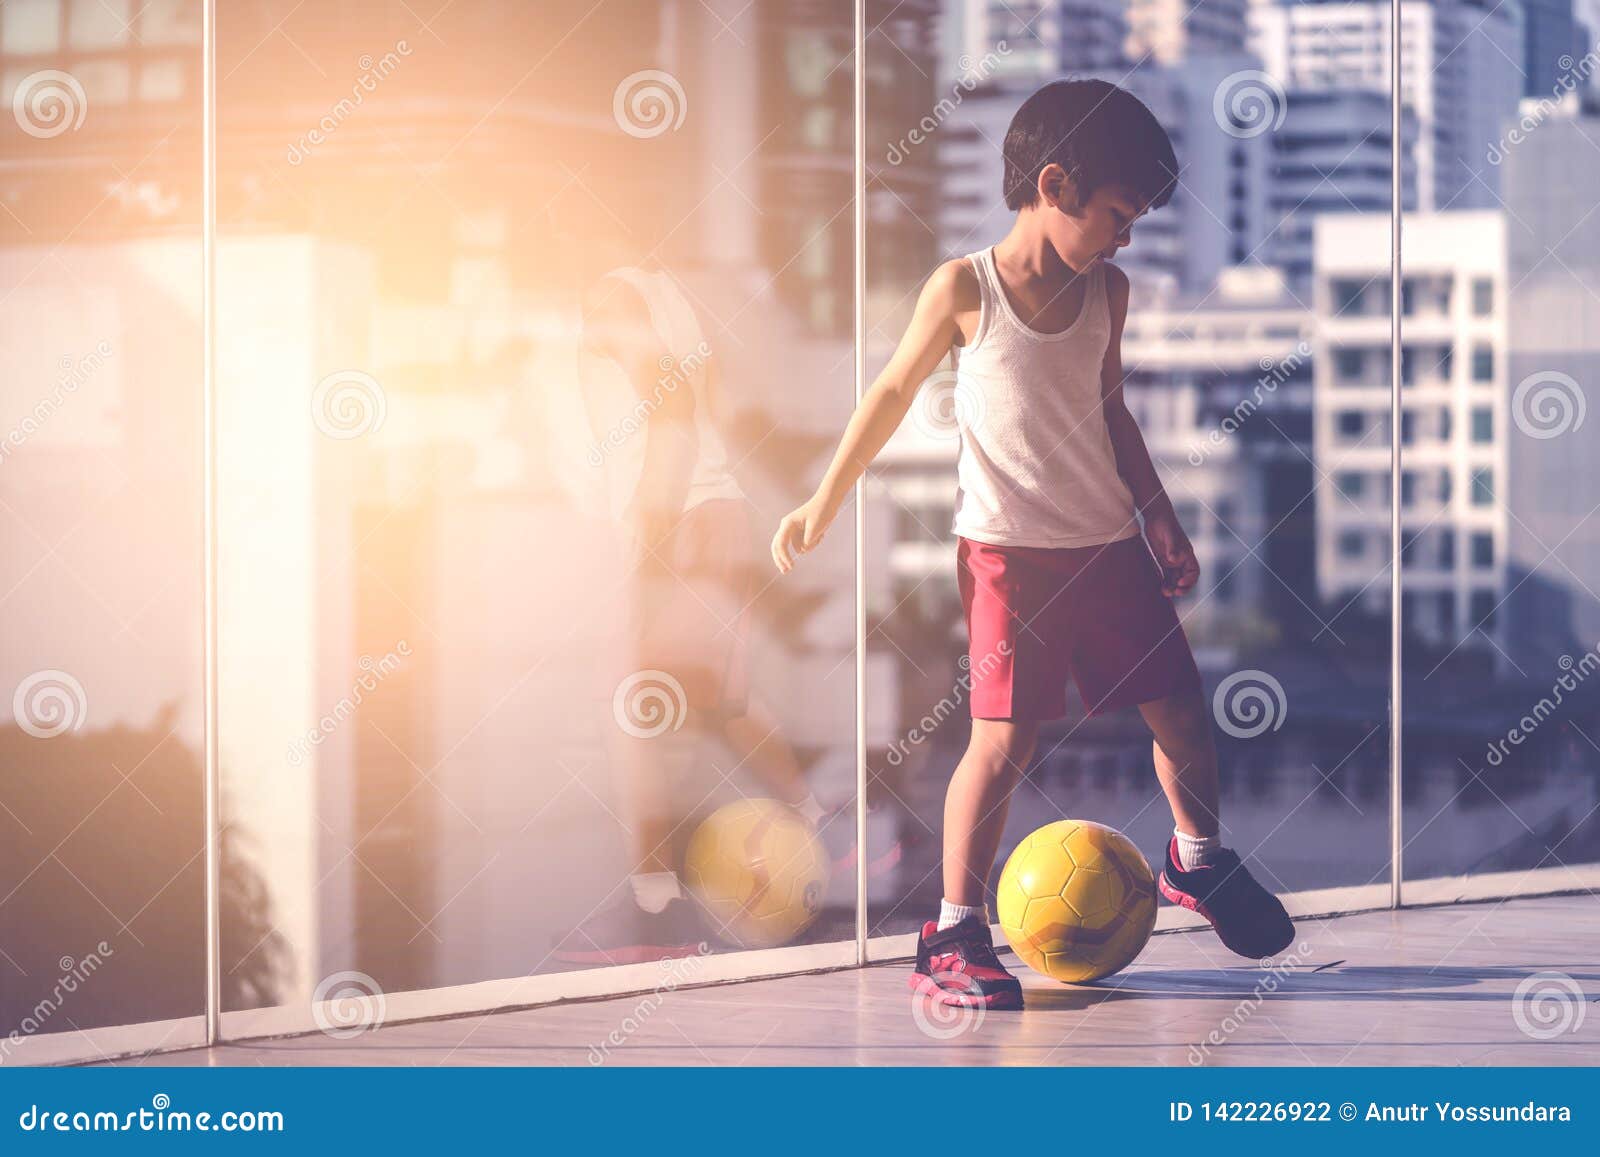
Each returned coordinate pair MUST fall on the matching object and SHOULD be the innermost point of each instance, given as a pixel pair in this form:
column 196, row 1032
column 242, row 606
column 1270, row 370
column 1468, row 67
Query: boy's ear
column 1058, row 188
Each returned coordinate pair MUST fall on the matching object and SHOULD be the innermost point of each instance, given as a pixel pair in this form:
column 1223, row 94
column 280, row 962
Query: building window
column 1408, row 427
column 99, row 24
column 1347, row 297
column 30, row 27
column 1352, row 544
column 1482, row 364
column 1447, row 549
column 1483, row 487
column 1483, row 550
column 1443, row 485
column 1482, row 425
column 1351, row 423
column 1482, row 609
column 1444, row 424
column 1408, row 488
column 1350, row 483
column 1482, row 296
column 1350, row 365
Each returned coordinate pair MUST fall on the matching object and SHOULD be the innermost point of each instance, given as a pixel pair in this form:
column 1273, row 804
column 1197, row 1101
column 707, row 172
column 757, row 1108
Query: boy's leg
column 1186, row 759
column 1250, row 920
column 977, row 800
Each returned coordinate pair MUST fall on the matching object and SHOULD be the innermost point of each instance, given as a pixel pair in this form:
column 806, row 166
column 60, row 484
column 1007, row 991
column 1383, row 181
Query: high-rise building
column 1455, row 76
column 1171, row 31
column 1455, row 391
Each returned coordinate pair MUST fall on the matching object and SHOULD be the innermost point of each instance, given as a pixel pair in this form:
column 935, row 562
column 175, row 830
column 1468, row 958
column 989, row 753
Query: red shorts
column 692, row 607
column 1036, row 615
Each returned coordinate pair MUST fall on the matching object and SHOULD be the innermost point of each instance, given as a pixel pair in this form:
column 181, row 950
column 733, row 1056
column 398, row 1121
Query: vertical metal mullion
column 859, row 250
column 213, row 786
column 1396, row 826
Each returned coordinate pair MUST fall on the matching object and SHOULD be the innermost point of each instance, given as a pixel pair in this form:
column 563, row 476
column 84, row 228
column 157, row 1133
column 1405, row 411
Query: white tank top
column 1036, row 466
column 617, row 413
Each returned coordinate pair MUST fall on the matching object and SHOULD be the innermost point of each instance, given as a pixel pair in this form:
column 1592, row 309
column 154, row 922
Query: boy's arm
column 926, row 341
column 1169, row 544
column 617, row 325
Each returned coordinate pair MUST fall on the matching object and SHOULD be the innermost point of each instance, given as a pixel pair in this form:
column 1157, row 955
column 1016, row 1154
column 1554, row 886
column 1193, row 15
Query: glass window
column 28, row 27
column 1482, row 425
column 1482, row 297
column 1483, row 487
column 1483, row 550
column 98, row 24
column 1482, row 364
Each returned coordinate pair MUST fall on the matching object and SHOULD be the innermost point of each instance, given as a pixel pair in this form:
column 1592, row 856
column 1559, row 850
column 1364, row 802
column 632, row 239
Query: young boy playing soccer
column 1052, row 480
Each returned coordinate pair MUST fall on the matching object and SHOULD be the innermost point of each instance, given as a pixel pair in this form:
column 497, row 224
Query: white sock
column 655, row 890
column 950, row 914
column 810, row 810
column 1196, row 851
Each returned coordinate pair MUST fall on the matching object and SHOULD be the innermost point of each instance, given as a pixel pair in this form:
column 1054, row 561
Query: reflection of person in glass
column 1052, row 479
column 647, row 374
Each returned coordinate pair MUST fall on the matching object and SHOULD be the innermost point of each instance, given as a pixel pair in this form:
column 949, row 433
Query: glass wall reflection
column 531, row 317
column 101, row 740
column 1255, row 359
column 1501, row 617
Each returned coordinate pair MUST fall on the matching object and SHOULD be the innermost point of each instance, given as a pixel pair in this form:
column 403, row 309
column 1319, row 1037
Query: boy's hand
column 1180, row 570
column 800, row 531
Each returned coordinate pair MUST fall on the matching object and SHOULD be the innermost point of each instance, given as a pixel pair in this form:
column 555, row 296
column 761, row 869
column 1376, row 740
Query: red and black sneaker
column 959, row 966
column 1248, row 918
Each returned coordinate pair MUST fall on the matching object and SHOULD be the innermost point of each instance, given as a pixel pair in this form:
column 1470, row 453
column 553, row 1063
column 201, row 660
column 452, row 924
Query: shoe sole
column 633, row 954
column 1184, row 900
column 929, row 987
column 875, row 868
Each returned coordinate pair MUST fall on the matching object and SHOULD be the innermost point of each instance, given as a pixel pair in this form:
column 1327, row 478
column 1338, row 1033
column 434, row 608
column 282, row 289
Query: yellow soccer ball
column 1077, row 901
column 759, row 871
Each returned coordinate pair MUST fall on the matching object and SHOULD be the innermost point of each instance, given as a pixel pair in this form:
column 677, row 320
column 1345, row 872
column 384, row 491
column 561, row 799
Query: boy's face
column 1099, row 228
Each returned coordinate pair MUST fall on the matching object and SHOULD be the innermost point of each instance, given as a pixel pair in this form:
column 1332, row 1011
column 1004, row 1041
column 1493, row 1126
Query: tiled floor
column 1426, row 986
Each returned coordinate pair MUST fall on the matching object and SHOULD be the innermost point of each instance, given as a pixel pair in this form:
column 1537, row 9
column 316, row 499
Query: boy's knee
column 1000, row 760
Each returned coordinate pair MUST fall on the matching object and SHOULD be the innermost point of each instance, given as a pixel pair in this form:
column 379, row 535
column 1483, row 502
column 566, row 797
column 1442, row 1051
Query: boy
column 1054, row 577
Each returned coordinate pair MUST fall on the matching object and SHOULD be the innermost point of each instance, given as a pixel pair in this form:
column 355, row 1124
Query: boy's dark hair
column 1099, row 133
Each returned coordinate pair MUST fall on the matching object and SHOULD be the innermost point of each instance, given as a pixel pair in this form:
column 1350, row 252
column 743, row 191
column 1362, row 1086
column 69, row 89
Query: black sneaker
column 626, row 934
column 1248, row 918
column 959, row 966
